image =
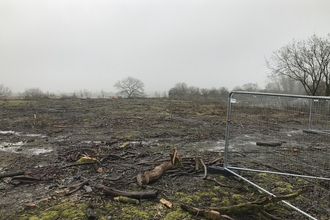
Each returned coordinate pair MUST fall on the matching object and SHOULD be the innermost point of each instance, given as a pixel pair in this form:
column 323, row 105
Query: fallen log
column 259, row 206
column 27, row 178
column 166, row 203
column 269, row 144
column 208, row 214
column 125, row 199
column 256, row 206
column 157, row 172
column 134, row 194
column 14, row 174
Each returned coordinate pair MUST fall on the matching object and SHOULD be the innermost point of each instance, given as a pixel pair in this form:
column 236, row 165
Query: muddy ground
column 42, row 141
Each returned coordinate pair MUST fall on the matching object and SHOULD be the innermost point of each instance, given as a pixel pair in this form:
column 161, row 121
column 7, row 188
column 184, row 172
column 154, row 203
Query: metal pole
column 225, row 159
column 271, row 194
column 310, row 114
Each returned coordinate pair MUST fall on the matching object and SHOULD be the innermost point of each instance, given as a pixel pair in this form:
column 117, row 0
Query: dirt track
column 126, row 137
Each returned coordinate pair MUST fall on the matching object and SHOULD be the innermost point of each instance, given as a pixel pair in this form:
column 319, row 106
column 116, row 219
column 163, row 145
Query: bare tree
column 307, row 62
column 284, row 84
column 164, row 95
column 130, row 87
column 4, row 91
column 87, row 93
column 84, row 93
column 81, row 94
column 237, row 88
column 193, row 92
column 223, row 91
column 156, row 95
column 251, row 87
column 205, row 93
column 33, row 93
column 214, row 93
column 103, row 94
column 179, row 90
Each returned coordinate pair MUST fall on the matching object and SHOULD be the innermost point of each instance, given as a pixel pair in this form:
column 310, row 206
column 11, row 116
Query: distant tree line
column 183, row 91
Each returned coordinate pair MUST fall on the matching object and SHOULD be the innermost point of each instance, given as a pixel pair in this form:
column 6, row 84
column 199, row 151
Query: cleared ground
column 46, row 138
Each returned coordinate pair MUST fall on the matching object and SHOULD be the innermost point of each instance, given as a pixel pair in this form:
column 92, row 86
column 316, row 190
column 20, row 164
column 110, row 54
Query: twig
column 77, row 187
column 114, row 178
column 135, row 195
column 218, row 183
column 14, row 174
column 205, row 169
column 76, row 164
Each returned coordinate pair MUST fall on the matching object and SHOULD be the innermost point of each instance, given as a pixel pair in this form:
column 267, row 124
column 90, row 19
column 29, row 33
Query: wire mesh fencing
column 281, row 134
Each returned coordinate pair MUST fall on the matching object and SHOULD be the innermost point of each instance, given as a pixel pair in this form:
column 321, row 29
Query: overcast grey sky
column 70, row 45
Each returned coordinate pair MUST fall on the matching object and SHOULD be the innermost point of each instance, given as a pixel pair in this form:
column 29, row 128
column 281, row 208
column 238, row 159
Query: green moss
column 216, row 199
column 225, row 202
column 73, row 213
column 177, row 214
column 133, row 212
column 237, row 198
column 206, row 194
column 60, row 211
column 185, row 198
column 51, row 215
column 221, row 177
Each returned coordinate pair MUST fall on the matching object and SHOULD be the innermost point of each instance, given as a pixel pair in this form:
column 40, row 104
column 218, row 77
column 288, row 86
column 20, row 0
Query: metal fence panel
column 279, row 134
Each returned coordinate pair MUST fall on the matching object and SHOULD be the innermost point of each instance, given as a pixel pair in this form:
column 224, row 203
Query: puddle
column 37, row 151
column 293, row 132
column 21, row 134
column 9, row 133
column 202, row 146
column 217, row 146
column 17, row 148
column 11, row 147
column 91, row 142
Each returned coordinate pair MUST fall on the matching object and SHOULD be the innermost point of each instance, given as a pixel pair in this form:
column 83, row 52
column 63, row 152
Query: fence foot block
column 220, row 170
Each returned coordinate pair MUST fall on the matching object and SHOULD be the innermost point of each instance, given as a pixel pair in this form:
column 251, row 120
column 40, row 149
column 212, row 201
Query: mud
column 127, row 137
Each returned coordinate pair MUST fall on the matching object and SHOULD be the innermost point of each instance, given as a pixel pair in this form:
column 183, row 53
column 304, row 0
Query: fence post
column 225, row 159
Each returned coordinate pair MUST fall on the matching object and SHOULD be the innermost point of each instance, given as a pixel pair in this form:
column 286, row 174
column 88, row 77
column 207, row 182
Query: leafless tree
column 307, row 62
column 87, row 93
column 284, row 84
column 237, row 88
column 130, row 87
column 223, row 91
column 214, row 93
column 193, row 91
column 164, row 95
column 156, row 95
column 103, row 93
column 4, row 91
column 33, row 93
column 251, row 87
column 179, row 90
column 205, row 93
